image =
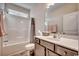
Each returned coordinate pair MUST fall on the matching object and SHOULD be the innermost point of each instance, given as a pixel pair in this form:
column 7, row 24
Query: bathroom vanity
column 49, row 46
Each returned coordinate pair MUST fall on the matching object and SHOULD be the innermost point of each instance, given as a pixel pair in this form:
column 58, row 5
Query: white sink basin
column 52, row 38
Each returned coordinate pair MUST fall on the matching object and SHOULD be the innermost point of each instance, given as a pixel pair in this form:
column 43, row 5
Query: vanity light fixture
column 49, row 4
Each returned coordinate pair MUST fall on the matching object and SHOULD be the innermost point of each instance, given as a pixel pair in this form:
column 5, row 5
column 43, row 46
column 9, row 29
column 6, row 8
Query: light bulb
column 49, row 4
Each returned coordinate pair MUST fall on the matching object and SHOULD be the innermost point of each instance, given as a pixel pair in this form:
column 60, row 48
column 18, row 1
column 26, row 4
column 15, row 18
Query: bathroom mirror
column 62, row 18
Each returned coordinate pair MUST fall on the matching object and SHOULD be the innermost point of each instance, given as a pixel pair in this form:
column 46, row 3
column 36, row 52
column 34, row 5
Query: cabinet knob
column 65, row 53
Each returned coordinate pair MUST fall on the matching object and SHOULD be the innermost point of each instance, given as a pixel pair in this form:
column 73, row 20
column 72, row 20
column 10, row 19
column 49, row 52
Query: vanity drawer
column 50, row 53
column 36, row 40
column 64, row 52
column 47, row 45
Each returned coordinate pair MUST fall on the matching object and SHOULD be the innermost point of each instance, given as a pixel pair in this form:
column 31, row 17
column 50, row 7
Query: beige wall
column 78, row 6
column 67, row 8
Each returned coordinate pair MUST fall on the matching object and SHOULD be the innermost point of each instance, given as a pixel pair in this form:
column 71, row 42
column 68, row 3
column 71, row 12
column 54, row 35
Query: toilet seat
column 30, row 46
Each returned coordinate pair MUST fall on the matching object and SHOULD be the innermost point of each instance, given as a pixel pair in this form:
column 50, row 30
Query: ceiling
column 28, row 5
column 32, row 5
column 55, row 6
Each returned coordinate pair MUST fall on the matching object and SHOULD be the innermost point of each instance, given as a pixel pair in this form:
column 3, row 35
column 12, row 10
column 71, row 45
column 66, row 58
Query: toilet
column 29, row 47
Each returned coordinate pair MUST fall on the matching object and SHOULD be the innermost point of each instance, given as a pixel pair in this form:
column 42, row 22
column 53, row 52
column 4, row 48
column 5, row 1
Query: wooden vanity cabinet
column 44, row 48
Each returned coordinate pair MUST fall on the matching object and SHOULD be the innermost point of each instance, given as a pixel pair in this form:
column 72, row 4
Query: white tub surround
column 14, row 49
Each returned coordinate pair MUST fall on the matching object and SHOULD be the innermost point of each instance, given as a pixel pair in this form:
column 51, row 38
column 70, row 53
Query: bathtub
column 11, row 48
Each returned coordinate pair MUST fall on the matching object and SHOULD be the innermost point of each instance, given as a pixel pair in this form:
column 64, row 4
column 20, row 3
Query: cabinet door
column 39, row 50
column 70, row 23
column 49, row 53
